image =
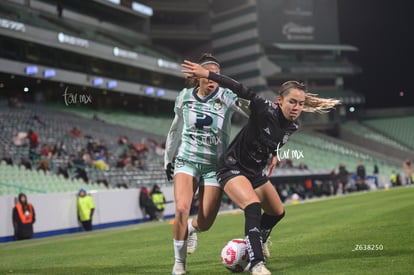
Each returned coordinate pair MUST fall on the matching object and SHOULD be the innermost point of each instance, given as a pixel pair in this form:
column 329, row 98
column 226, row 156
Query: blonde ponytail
column 315, row 104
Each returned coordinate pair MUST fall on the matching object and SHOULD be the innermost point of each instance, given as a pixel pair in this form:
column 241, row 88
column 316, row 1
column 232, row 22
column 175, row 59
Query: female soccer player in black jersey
column 241, row 167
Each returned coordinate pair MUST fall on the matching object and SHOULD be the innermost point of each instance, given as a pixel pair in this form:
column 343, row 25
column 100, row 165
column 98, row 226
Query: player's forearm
column 173, row 140
column 227, row 82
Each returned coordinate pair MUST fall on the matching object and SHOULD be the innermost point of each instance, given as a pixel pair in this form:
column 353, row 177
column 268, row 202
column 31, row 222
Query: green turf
column 314, row 238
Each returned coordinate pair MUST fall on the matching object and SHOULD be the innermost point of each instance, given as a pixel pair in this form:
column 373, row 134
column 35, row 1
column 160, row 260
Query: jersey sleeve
column 237, row 104
column 174, row 134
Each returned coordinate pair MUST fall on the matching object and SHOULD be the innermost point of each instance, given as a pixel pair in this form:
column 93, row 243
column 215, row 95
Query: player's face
column 208, row 86
column 292, row 103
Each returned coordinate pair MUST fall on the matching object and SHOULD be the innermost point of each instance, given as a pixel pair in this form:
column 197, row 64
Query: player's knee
column 182, row 209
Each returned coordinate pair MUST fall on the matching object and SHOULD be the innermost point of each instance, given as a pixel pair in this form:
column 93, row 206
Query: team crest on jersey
column 217, row 104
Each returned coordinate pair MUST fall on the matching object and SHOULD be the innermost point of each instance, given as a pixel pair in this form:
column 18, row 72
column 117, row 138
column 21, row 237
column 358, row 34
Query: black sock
column 252, row 231
column 267, row 223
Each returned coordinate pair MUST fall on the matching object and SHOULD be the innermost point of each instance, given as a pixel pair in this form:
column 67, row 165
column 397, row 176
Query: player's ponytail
column 313, row 103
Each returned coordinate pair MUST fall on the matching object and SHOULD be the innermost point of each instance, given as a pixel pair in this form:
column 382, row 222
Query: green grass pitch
column 364, row 233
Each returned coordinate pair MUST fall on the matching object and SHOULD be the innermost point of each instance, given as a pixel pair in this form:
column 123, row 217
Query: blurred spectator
column 159, row 200
column 75, row 132
column 100, row 165
column 86, row 208
column 20, row 139
column 23, row 218
column 376, row 169
column 123, row 140
column 394, row 179
column 343, row 177
column 361, row 176
column 26, row 163
column 308, row 188
column 57, row 150
column 120, row 163
column 376, row 172
column 62, row 170
column 159, row 150
column 33, row 144
column 288, row 163
column 45, row 151
column 78, row 165
column 86, row 158
column 33, row 139
column 146, row 204
column 302, row 166
column 8, row 160
column 408, row 172
column 335, row 181
column 283, row 191
column 43, row 165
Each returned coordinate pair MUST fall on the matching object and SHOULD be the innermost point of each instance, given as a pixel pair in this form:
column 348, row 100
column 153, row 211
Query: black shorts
column 229, row 169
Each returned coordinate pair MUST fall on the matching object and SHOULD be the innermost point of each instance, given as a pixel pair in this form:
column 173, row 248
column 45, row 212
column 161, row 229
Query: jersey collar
column 207, row 98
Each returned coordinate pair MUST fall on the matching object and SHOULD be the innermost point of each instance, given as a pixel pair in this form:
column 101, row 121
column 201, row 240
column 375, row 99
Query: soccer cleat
column 260, row 269
column 192, row 243
column 266, row 251
column 178, row 269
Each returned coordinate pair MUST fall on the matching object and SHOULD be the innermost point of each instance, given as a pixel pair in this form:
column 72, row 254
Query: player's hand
column 169, row 171
column 194, row 70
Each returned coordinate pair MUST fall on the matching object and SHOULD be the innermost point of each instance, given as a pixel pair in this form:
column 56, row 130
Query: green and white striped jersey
column 201, row 126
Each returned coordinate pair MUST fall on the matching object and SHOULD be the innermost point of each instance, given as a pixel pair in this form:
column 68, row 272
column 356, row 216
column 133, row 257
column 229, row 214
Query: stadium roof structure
column 314, row 47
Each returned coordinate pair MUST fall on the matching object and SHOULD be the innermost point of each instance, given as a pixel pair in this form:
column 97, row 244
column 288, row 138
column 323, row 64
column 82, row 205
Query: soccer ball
column 235, row 256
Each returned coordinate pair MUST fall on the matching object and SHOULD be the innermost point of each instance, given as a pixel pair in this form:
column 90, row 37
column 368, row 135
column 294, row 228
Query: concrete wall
column 56, row 212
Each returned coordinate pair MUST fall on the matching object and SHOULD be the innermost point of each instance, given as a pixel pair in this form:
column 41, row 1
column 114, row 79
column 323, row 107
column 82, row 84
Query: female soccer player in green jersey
column 201, row 132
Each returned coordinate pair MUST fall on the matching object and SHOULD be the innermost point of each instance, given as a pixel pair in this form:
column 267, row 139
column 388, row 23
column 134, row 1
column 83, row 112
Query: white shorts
column 205, row 174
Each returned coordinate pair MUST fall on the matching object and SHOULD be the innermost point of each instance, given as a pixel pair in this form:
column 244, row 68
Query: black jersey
column 266, row 131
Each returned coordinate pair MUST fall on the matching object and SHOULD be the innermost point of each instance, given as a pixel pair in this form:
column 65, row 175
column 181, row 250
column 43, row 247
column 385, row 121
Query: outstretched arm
column 173, row 140
column 194, row 70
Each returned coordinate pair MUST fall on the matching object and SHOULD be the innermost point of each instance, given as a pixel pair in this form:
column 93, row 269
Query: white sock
column 180, row 251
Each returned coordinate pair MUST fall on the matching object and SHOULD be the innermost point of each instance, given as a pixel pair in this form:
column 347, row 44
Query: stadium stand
column 363, row 130
column 318, row 151
column 17, row 179
column 155, row 125
column 53, row 128
column 325, row 152
column 398, row 128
